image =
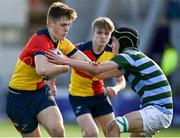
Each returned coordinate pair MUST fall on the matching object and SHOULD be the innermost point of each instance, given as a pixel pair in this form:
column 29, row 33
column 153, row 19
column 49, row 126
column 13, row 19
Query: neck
column 51, row 35
column 97, row 48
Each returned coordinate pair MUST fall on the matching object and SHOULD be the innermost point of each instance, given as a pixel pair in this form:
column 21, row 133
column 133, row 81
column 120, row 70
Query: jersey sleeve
column 67, row 47
column 40, row 46
column 121, row 61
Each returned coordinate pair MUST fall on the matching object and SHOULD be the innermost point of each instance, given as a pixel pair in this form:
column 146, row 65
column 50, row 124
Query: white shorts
column 154, row 120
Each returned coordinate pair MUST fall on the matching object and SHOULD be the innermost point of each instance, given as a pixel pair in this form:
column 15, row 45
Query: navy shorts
column 23, row 107
column 95, row 105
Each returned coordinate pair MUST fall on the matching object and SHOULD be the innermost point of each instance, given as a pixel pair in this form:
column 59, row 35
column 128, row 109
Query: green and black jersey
column 146, row 79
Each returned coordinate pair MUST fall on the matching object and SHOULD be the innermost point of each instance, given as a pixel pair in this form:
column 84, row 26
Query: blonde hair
column 103, row 23
column 58, row 10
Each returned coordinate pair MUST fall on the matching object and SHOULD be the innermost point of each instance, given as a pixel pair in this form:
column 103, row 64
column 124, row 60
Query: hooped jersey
column 82, row 84
column 25, row 77
column 146, row 79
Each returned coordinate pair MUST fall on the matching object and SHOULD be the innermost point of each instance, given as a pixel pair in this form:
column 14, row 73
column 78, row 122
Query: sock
column 122, row 123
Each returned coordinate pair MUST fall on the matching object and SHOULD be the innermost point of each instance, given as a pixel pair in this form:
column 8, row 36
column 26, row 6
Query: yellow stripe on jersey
column 66, row 46
column 27, row 80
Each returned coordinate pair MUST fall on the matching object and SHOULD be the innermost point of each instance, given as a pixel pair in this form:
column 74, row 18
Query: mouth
column 103, row 41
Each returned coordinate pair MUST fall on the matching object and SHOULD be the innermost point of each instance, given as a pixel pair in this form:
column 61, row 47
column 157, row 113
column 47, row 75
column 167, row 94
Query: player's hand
column 55, row 58
column 53, row 89
column 56, row 51
column 94, row 62
column 111, row 92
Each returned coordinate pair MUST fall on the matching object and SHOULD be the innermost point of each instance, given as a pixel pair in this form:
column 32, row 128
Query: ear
column 49, row 23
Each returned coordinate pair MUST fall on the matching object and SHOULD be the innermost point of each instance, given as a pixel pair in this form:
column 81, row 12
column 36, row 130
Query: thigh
column 87, row 123
column 104, row 120
column 154, row 120
column 48, row 114
column 135, row 121
column 100, row 106
column 50, row 118
column 80, row 105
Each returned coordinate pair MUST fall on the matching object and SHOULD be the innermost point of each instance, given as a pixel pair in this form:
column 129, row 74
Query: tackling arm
column 109, row 74
column 48, row 70
column 93, row 69
column 80, row 56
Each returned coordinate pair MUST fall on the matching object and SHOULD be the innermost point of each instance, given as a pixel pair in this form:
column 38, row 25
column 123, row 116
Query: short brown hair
column 103, row 23
column 58, row 10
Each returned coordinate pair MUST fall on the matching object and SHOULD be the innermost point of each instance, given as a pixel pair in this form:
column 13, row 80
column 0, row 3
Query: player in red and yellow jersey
column 29, row 100
column 87, row 93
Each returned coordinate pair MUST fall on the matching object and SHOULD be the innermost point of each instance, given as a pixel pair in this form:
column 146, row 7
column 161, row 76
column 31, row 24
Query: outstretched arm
column 108, row 74
column 120, row 85
column 93, row 69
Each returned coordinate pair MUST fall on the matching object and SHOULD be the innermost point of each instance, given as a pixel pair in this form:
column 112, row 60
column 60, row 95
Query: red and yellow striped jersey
column 83, row 84
column 25, row 77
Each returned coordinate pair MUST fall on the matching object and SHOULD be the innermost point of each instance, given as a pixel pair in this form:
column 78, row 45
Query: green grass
column 72, row 130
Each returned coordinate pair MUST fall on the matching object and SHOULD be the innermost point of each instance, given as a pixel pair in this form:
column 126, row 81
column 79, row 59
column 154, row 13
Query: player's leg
column 102, row 111
column 48, row 114
column 131, row 122
column 35, row 133
column 21, row 115
column 82, row 109
column 51, row 119
column 154, row 120
column 135, row 123
column 88, row 125
column 145, row 122
column 104, row 120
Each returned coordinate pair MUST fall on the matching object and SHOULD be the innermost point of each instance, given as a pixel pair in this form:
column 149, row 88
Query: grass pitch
column 72, row 130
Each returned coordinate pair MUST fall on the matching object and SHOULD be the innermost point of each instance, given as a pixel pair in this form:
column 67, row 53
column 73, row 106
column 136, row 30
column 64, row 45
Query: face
column 59, row 29
column 101, row 37
column 115, row 45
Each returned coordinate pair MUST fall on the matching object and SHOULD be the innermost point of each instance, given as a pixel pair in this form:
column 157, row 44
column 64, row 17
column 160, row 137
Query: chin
column 61, row 38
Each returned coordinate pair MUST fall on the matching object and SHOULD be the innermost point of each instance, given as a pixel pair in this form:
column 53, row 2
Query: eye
column 107, row 33
column 99, row 32
column 65, row 24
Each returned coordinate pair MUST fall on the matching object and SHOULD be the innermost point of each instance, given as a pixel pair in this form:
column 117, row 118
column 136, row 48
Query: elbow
column 41, row 71
column 43, row 74
column 123, row 85
column 66, row 68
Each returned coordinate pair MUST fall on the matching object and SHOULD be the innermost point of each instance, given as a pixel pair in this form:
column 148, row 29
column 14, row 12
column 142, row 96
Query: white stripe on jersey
column 149, row 70
column 156, row 91
column 128, row 58
column 142, row 61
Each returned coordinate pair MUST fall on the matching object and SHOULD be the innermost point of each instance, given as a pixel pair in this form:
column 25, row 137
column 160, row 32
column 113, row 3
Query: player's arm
column 93, row 69
column 120, row 81
column 46, row 69
column 120, row 85
column 109, row 74
column 52, row 85
column 80, row 56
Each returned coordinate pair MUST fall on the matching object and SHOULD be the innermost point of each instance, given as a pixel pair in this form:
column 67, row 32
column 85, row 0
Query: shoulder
column 40, row 38
column 66, row 41
column 84, row 45
column 108, row 48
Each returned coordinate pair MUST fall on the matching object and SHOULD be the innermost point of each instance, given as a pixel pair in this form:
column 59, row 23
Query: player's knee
column 91, row 133
column 57, row 131
column 112, row 126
